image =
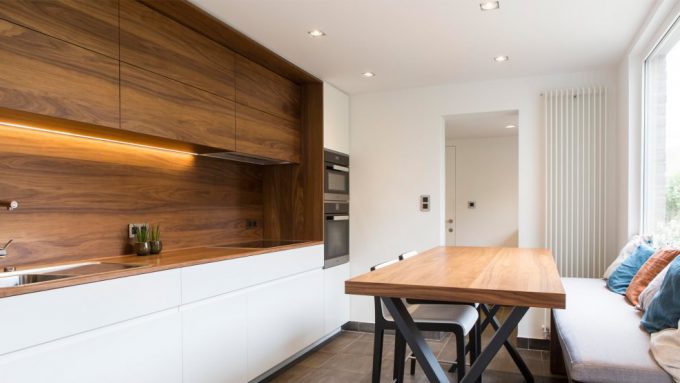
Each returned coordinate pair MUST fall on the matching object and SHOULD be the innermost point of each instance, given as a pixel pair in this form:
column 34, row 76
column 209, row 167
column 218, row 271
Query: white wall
column 397, row 146
column 335, row 119
column 486, row 172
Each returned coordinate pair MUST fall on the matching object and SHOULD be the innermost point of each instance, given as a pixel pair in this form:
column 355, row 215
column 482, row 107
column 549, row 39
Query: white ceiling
column 481, row 125
column 423, row 42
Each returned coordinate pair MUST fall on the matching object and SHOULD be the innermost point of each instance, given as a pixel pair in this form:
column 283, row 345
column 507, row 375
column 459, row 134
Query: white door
column 450, row 218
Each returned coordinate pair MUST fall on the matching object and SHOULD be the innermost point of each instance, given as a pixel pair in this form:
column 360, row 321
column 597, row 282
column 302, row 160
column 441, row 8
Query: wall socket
column 251, row 224
column 424, row 202
column 132, row 228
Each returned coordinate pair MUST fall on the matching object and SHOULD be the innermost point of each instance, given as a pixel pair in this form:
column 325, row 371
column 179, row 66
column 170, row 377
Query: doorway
column 481, row 179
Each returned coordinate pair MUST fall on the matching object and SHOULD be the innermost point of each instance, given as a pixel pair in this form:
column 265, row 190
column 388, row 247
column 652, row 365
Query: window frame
column 673, row 28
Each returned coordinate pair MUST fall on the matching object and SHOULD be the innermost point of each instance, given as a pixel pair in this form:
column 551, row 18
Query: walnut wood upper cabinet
column 86, row 23
column 265, row 135
column 155, row 105
column 157, row 43
column 48, row 76
column 262, row 89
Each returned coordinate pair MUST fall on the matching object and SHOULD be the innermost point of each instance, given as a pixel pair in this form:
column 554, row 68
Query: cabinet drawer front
column 143, row 350
column 265, row 135
column 86, row 23
column 212, row 279
column 284, row 317
column 43, row 75
column 262, row 89
column 48, row 315
column 214, row 340
column 161, row 45
column 154, row 105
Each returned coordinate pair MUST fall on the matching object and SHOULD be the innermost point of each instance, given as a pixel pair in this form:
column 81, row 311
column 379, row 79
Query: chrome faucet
column 10, row 205
column 3, row 249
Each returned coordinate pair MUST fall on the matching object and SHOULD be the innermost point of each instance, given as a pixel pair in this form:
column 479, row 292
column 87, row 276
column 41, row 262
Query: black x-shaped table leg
column 433, row 370
column 490, row 314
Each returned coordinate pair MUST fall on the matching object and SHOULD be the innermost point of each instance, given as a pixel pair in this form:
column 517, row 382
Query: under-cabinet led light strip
column 13, row 125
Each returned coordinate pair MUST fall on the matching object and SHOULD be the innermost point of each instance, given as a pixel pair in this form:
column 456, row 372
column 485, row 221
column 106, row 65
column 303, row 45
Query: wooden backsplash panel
column 77, row 196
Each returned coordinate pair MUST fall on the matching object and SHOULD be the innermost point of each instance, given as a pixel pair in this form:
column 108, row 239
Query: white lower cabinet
column 136, row 329
column 143, row 350
column 214, row 340
column 335, row 301
column 284, row 317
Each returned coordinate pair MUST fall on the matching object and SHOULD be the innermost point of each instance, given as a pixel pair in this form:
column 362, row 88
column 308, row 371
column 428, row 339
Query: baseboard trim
column 533, row 344
column 283, row 366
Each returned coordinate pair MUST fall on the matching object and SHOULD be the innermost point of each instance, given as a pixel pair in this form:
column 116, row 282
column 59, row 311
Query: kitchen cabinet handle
column 338, row 218
column 340, row 168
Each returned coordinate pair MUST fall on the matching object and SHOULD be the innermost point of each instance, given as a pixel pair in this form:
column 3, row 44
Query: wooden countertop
column 503, row 276
column 152, row 263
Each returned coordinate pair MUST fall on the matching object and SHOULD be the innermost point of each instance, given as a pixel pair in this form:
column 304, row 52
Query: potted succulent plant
column 141, row 245
column 156, row 244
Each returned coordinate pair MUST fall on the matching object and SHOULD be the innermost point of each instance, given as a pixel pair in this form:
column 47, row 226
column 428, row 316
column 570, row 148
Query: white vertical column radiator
column 576, row 191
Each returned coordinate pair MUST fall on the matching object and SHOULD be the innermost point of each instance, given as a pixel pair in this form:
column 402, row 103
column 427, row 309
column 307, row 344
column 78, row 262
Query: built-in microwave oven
column 336, row 178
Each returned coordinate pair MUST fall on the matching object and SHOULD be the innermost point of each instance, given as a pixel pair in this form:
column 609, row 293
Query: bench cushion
column 601, row 337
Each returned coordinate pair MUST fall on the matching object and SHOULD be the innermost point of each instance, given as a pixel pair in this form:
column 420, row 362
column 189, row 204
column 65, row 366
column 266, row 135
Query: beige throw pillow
column 665, row 346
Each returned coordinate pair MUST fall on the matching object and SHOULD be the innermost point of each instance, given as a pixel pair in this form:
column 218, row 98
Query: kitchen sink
column 27, row 279
column 92, row 268
column 46, row 274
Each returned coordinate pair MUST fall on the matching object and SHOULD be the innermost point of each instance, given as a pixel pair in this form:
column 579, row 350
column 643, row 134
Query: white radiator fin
column 576, row 136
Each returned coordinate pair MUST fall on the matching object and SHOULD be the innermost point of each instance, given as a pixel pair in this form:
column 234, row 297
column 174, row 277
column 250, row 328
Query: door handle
column 449, row 220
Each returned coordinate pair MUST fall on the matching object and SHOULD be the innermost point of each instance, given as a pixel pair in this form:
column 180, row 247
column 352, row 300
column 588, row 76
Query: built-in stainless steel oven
column 336, row 208
column 336, row 179
column 336, row 234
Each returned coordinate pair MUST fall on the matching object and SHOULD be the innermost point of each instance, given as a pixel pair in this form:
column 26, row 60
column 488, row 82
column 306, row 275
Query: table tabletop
column 491, row 275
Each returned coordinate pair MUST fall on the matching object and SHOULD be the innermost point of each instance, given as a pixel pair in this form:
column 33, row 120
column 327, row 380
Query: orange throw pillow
column 648, row 271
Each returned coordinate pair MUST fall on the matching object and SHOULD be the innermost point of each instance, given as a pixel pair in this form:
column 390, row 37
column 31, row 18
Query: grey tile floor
column 348, row 358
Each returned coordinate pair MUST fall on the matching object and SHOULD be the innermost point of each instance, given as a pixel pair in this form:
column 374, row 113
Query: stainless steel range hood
column 244, row 158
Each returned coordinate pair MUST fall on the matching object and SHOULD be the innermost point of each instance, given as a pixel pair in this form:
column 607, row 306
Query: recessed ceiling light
column 500, row 59
column 489, row 5
column 316, row 33
column 510, row 126
column 368, row 74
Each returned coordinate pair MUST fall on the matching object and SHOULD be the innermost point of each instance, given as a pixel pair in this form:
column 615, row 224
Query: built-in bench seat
column 600, row 337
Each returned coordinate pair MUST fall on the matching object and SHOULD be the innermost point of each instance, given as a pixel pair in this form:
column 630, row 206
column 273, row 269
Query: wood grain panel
column 311, row 219
column 293, row 194
column 502, row 276
column 262, row 89
column 159, row 44
column 44, row 75
column 86, row 23
column 264, row 135
column 155, row 105
column 204, row 23
column 77, row 196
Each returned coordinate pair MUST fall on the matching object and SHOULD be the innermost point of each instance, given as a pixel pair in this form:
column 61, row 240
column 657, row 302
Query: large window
column 661, row 191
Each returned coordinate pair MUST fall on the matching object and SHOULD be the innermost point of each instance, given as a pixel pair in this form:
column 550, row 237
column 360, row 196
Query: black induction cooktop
column 261, row 244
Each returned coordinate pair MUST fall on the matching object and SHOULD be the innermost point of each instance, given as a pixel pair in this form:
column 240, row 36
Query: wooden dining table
column 517, row 278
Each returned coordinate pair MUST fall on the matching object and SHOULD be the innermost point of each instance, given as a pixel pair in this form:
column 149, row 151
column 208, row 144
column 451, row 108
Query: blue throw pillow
column 664, row 311
column 620, row 279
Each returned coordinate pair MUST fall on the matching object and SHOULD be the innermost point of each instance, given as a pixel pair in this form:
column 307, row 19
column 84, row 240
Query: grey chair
column 458, row 319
